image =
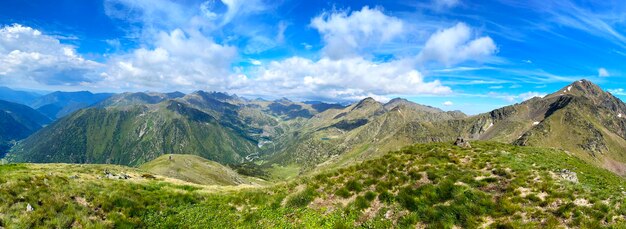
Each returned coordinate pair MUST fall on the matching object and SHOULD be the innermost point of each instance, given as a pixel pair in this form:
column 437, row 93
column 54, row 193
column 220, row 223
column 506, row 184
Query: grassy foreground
column 428, row 185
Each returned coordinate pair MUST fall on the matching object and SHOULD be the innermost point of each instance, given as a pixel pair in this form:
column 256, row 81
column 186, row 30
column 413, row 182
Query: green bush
column 385, row 197
column 301, row 199
column 354, row 185
column 361, row 203
column 343, row 192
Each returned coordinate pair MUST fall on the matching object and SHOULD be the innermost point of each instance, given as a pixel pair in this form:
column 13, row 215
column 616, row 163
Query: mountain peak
column 581, row 87
column 397, row 102
column 367, row 102
column 588, row 90
column 283, row 100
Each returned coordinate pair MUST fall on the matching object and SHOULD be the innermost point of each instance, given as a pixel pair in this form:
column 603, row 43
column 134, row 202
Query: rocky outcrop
column 462, row 143
column 568, row 175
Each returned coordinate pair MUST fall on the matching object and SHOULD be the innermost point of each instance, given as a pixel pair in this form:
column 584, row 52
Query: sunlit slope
column 426, row 185
column 195, row 169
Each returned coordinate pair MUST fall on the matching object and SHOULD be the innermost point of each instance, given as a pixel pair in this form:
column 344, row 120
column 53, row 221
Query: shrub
column 385, row 197
column 343, row 192
column 361, row 203
column 302, row 199
column 370, row 195
column 354, row 185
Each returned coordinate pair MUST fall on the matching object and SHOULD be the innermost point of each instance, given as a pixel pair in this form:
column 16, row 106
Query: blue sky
column 472, row 56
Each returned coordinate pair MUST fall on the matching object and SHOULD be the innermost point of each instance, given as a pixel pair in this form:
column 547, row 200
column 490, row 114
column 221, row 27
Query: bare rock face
column 462, row 143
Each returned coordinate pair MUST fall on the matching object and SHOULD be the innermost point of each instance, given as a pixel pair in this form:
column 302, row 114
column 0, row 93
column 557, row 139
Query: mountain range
column 134, row 128
column 213, row 159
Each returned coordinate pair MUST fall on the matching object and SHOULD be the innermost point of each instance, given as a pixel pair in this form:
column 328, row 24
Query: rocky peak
column 588, row 90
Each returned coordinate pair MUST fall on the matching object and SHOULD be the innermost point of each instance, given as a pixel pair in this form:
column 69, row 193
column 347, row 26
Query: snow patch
column 490, row 125
column 619, row 115
column 535, row 123
column 569, row 88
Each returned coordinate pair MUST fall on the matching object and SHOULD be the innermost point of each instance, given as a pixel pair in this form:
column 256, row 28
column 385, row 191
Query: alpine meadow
column 312, row 114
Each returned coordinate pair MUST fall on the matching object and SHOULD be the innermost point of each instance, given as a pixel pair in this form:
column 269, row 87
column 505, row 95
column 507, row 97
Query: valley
column 207, row 158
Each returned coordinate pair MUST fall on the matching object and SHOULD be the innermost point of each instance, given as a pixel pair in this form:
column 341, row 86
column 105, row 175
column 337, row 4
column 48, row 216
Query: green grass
column 281, row 173
column 432, row 185
column 197, row 170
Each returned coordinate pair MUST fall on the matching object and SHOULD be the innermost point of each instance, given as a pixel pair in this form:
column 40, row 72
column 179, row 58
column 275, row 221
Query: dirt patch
column 370, row 212
column 523, row 191
column 582, row 202
column 81, row 201
column 614, row 166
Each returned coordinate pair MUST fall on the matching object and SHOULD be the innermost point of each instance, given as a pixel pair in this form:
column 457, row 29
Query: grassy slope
column 195, row 169
column 434, row 185
column 133, row 136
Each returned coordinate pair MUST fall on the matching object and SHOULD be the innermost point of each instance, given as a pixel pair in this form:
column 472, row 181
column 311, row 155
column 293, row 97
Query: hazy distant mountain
column 18, row 121
column 136, row 98
column 16, row 96
column 59, row 104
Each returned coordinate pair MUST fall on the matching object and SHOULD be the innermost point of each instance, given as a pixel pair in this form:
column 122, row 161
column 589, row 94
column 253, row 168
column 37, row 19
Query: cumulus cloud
column 347, row 79
column 602, row 72
column 455, row 45
column 29, row 56
column 179, row 59
column 448, row 103
column 346, row 34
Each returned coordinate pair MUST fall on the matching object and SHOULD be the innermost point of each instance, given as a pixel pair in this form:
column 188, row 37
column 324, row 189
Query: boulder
column 462, row 143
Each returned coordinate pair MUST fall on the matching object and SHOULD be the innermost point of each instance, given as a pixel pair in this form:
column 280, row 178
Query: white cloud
column 515, row 98
column 617, row 91
column 306, row 46
column 448, row 103
column 530, row 95
column 344, row 79
column 280, row 35
column 179, row 60
column 602, row 72
column 455, row 45
column 255, row 62
column 29, row 57
column 345, row 35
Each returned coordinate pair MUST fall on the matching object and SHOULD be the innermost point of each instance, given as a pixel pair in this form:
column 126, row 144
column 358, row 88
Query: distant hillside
column 195, row 169
column 59, row 104
column 16, row 96
column 580, row 118
column 17, row 122
column 137, row 98
column 341, row 136
column 133, row 135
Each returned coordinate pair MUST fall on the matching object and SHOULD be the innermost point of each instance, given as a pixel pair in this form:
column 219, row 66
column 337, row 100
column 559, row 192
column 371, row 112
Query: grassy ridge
column 133, row 136
column 429, row 185
column 195, row 169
